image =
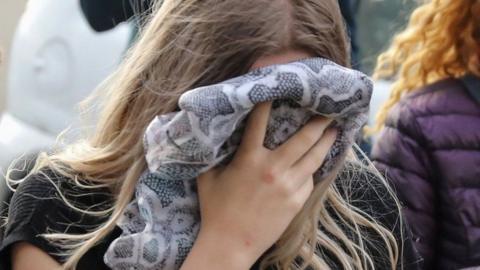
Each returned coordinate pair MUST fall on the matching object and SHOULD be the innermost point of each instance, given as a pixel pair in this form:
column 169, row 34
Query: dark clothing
column 103, row 15
column 430, row 151
column 349, row 10
column 36, row 208
column 472, row 85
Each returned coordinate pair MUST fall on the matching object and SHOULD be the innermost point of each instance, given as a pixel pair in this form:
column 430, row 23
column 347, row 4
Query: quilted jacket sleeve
column 400, row 154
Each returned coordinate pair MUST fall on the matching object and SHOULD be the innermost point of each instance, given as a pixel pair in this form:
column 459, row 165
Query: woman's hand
column 247, row 205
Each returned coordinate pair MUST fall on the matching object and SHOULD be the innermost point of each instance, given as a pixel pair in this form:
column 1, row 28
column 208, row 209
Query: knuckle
column 285, row 190
column 297, row 203
column 271, row 175
column 257, row 159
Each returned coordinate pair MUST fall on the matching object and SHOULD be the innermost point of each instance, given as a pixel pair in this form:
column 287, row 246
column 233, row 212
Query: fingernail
column 321, row 119
column 332, row 131
column 333, row 123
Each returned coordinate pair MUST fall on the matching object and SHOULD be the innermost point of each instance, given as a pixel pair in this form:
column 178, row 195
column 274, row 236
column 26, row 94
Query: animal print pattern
column 161, row 223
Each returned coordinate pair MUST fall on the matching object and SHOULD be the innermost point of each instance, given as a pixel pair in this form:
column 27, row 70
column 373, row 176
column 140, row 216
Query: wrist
column 214, row 251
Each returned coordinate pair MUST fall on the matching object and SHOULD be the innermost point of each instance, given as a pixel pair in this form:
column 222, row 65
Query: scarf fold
column 161, row 223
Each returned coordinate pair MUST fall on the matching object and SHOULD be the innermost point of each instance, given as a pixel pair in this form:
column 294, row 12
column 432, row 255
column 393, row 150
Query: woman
column 252, row 217
column 429, row 147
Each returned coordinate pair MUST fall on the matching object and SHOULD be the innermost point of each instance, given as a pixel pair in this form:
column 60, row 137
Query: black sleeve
column 24, row 222
column 364, row 189
column 103, row 15
column 36, row 208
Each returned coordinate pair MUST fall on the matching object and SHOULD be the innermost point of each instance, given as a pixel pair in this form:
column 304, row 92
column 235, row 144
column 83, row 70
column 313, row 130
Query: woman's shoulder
column 450, row 96
column 447, row 100
column 39, row 186
column 43, row 203
column 49, row 191
column 34, row 195
column 434, row 116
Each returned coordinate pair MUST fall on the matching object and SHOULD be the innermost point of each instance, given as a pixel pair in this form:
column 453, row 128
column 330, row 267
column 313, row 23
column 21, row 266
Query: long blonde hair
column 191, row 43
column 441, row 40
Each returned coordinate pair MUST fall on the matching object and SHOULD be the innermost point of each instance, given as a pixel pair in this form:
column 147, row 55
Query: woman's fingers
column 300, row 143
column 256, row 128
column 314, row 158
column 304, row 191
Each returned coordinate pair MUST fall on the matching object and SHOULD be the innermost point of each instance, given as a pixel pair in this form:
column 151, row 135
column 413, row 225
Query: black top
column 472, row 84
column 36, row 208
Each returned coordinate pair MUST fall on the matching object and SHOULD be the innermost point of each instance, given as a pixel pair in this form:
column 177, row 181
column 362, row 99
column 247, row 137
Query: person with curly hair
column 429, row 142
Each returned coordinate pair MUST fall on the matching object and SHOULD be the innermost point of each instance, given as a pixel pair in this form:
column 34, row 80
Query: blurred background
column 378, row 21
column 52, row 58
column 10, row 12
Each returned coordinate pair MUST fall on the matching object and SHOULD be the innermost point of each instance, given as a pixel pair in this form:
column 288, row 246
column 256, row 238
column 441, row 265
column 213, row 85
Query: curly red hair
column 441, row 40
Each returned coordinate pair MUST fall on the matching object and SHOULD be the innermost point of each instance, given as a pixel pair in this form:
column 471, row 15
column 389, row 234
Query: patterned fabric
column 160, row 225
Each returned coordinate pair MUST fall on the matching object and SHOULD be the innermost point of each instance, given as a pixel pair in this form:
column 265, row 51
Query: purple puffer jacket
column 430, row 151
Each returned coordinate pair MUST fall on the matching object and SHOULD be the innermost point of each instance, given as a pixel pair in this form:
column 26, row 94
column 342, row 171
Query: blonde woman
column 429, row 146
column 262, row 210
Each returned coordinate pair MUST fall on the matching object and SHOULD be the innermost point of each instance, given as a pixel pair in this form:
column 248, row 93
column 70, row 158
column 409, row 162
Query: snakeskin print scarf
column 161, row 223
